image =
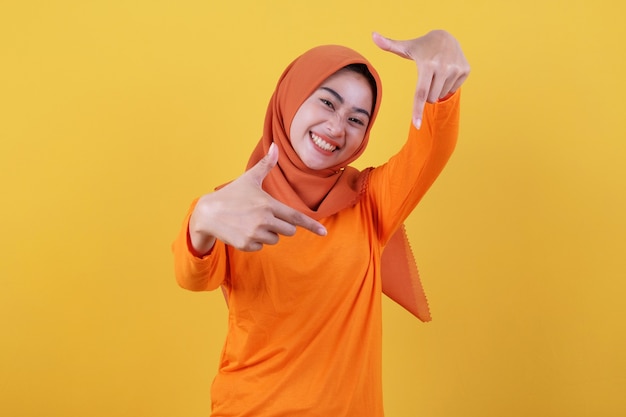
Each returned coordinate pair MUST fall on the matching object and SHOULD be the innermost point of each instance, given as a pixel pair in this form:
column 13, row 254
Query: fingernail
column 322, row 231
column 417, row 122
column 272, row 146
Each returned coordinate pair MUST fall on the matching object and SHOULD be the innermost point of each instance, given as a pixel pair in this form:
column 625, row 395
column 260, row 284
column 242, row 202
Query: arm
column 192, row 270
column 240, row 215
column 400, row 184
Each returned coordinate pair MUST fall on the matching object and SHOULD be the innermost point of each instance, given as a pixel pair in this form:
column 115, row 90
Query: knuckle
column 421, row 94
column 265, row 220
column 265, row 161
column 300, row 219
column 297, row 217
column 272, row 239
column 465, row 70
column 453, row 71
column 251, row 247
column 290, row 230
column 240, row 245
column 263, row 206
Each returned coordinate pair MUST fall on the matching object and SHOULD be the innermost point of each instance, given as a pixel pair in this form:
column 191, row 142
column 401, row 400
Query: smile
column 322, row 144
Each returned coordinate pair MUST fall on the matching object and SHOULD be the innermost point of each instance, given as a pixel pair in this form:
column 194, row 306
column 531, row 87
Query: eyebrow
column 341, row 100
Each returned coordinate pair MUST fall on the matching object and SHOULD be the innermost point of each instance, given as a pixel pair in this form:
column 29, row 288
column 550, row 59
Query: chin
column 317, row 166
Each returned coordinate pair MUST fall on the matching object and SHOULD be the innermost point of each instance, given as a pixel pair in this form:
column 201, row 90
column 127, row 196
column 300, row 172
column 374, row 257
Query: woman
column 304, row 332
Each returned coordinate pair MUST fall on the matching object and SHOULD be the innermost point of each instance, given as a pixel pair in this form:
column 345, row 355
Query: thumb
column 390, row 45
column 259, row 171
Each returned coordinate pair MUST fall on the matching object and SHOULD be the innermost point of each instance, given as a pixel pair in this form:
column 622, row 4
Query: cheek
column 295, row 134
column 355, row 141
column 296, row 126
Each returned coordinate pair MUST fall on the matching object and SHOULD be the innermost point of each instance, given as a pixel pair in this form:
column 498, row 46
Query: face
column 330, row 125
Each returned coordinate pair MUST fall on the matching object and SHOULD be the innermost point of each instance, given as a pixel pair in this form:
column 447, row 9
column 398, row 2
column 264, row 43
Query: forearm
column 400, row 184
column 195, row 269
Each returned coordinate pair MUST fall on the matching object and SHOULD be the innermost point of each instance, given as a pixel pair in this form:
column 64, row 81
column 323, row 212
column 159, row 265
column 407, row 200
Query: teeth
column 322, row 143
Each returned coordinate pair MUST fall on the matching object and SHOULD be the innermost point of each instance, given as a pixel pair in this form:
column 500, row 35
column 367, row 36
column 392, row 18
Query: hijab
column 322, row 193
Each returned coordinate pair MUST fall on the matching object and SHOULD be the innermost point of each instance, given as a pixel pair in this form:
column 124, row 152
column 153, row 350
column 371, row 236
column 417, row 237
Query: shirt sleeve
column 397, row 186
column 198, row 273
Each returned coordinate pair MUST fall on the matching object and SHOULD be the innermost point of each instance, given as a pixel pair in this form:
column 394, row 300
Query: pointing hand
column 244, row 216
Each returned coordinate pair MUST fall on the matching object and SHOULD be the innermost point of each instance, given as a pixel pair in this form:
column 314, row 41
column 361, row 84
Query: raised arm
column 399, row 185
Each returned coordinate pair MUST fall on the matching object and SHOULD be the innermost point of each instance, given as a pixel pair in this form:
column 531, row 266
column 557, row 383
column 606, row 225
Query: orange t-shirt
column 304, row 323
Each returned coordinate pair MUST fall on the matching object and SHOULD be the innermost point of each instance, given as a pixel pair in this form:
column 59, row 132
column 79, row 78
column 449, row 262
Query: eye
column 327, row 103
column 357, row 121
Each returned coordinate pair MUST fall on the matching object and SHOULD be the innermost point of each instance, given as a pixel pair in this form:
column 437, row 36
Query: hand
column 244, row 216
column 441, row 65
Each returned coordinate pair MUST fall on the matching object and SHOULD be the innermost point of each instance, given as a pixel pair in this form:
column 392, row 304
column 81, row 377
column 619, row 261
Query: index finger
column 293, row 216
column 422, row 90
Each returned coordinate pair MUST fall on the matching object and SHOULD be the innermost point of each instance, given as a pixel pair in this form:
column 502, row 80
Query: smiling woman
column 329, row 127
column 115, row 114
column 305, row 314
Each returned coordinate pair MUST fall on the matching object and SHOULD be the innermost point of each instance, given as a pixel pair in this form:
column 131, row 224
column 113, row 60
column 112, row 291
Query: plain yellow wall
column 115, row 114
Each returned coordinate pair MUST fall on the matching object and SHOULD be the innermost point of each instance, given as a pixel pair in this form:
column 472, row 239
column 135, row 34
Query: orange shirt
column 304, row 323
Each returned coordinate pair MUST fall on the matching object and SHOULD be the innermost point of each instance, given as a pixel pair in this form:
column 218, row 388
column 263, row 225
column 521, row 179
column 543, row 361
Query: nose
column 336, row 126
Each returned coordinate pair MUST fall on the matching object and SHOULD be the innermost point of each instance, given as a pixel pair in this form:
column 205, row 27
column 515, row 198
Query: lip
column 325, row 139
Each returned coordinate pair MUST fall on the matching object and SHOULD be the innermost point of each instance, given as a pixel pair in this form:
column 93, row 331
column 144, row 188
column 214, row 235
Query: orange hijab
column 322, row 193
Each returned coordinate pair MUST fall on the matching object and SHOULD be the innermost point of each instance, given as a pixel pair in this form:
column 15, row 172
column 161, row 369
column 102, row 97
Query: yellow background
column 115, row 114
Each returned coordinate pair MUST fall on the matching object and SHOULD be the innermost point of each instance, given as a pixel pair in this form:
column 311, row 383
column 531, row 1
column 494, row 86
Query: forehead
column 351, row 85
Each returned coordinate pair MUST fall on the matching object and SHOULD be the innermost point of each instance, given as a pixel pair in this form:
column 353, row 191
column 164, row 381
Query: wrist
column 199, row 241
column 199, row 244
